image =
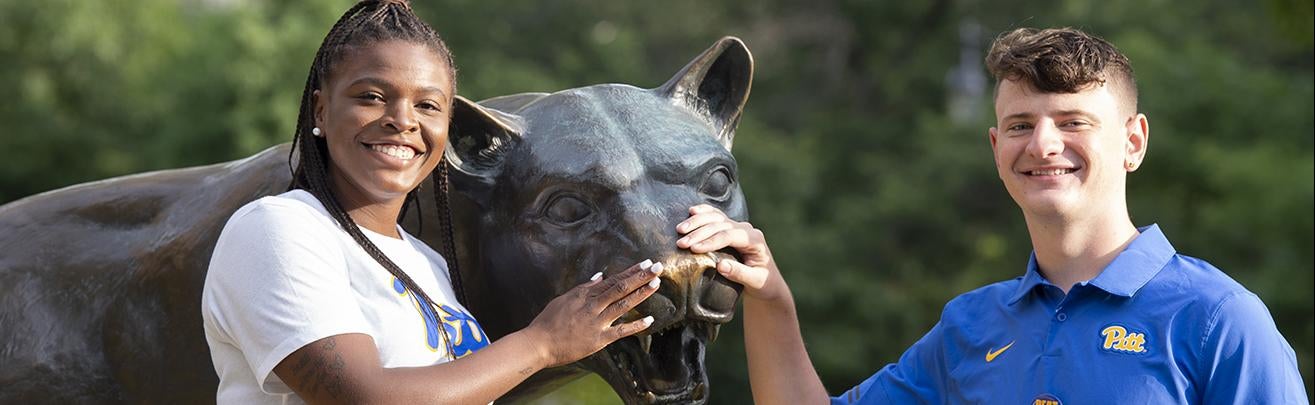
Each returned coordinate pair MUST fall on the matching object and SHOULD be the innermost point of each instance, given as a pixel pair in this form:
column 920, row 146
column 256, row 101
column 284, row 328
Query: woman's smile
column 393, row 154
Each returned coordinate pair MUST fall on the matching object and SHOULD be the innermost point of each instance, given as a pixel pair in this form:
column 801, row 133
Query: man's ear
column 478, row 141
column 993, row 133
column 1139, row 136
column 715, row 85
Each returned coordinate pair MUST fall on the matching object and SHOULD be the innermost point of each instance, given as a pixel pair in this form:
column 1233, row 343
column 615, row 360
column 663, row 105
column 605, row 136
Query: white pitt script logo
column 1119, row 339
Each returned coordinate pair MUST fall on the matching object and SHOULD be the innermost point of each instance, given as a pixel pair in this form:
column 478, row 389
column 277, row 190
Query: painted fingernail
column 648, row 320
column 645, row 264
column 654, row 283
column 656, row 269
column 596, row 276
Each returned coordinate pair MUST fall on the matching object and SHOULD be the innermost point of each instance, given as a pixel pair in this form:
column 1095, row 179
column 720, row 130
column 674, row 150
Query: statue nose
column 691, row 288
column 711, row 296
column 694, row 289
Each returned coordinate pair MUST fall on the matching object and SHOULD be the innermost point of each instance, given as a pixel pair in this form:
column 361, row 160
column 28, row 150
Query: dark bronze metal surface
column 100, row 283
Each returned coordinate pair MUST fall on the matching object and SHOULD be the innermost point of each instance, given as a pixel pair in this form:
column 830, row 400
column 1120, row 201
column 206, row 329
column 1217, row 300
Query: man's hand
column 708, row 229
column 779, row 369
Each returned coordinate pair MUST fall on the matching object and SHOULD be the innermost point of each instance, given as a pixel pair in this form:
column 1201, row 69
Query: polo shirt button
column 1061, row 317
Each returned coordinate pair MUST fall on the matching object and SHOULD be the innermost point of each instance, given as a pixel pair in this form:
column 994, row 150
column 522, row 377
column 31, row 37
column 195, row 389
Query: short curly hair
column 1061, row 60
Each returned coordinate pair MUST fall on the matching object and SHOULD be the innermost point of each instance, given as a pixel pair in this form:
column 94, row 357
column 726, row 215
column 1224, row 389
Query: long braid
column 385, row 20
column 412, row 198
column 449, row 244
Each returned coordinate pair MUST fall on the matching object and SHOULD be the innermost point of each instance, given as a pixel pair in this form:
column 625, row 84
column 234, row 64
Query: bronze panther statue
column 100, row 282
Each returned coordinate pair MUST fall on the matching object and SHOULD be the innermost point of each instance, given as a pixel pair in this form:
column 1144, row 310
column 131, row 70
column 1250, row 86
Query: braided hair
column 368, row 22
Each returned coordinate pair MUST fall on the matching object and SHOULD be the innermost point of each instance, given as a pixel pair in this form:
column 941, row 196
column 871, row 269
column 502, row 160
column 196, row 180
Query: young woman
column 317, row 295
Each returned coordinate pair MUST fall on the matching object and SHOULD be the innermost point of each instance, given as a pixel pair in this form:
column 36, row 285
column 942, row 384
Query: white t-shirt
column 284, row 275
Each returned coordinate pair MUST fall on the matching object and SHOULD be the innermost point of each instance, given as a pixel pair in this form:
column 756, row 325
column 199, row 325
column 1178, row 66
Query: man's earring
column 316, row 131
column 1131, row 165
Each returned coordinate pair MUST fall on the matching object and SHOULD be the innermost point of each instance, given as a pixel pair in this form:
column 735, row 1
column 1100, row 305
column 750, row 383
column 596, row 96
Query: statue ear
column 478, row 139
column 715, row 85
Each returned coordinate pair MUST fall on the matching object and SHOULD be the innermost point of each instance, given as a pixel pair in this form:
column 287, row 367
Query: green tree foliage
column 867, row 166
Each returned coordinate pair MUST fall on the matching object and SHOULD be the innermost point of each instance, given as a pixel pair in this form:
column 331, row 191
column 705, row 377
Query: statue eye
column 718, row 184
column 566, row 210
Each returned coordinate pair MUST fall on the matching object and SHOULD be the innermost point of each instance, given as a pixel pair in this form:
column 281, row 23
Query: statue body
column 100, row 283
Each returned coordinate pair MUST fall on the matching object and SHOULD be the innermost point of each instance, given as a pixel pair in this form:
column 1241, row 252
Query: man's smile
column 1049, row 172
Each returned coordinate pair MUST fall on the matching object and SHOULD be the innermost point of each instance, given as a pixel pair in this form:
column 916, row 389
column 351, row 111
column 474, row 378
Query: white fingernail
column 648, row 320
column 656, row 269
column 645, row 264
column 654, row 283
column 596, row 276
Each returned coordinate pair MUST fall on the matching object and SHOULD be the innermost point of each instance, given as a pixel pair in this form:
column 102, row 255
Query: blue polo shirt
column 1155, row 327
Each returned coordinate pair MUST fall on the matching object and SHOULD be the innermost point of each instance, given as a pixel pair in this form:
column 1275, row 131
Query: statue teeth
column 646, row 342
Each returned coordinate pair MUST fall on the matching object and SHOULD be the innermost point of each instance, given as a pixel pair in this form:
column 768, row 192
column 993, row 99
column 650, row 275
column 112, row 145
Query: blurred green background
column 863, row 151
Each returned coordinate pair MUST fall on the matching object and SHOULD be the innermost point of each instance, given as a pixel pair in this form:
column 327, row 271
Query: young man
column 1105, row 313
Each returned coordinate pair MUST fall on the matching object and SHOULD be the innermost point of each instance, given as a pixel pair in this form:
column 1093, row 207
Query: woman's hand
column 580, row 322
column 708, row 230
column 346, row 368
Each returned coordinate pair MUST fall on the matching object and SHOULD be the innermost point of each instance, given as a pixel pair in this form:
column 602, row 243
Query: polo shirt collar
column 1031, row 279
column 1127, row 273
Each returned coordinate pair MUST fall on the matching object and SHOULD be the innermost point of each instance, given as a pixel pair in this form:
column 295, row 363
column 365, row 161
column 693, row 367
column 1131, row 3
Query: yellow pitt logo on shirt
column 1118, row 338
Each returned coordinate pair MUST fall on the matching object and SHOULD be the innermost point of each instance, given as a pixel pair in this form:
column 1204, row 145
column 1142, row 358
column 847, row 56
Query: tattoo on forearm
column 527, row 370
column 322, row 369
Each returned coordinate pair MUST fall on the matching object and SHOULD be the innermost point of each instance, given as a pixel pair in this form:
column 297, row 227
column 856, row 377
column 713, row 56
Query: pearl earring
column 315, row 131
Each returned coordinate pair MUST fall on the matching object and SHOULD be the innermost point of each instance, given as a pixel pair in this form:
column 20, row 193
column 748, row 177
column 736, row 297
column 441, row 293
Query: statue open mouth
column 663, row 365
